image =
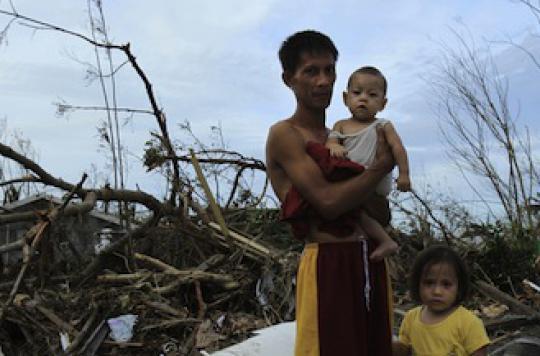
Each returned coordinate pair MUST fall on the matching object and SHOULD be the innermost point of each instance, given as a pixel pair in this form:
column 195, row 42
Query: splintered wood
column 189, row 287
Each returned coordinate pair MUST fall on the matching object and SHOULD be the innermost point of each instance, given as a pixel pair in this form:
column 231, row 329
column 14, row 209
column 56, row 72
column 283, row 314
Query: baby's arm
column 400, row 155
column 333, row 144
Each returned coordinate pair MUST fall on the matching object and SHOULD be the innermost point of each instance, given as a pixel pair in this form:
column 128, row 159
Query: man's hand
column 384, row 160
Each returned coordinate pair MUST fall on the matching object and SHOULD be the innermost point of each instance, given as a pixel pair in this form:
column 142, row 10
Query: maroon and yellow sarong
column 337, row 312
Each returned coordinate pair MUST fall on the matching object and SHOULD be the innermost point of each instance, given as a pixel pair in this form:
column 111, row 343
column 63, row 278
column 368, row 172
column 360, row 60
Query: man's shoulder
column 280, row 129
column 284, row 131
column 284, row 124
column 283, row 139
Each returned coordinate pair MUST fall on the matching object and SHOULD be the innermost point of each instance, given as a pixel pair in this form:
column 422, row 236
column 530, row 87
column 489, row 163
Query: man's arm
column 285, row 146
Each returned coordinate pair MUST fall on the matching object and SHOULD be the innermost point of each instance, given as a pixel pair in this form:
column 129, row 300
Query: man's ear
column 345, row 95
column 286, row 77
column 384, row 103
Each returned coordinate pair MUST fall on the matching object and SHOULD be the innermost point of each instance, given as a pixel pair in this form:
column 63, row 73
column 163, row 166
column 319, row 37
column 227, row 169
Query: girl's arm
column 400, row 349
column 480, row 352
column 400, row 155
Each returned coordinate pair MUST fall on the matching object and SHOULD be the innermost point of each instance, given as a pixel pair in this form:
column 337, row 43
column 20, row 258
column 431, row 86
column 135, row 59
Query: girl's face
column 439, row 287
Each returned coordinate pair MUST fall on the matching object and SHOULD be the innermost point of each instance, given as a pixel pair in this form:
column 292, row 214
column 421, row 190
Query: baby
column 355, row 138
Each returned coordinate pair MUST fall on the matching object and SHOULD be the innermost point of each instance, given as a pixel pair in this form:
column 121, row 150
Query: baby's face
column 365, row 96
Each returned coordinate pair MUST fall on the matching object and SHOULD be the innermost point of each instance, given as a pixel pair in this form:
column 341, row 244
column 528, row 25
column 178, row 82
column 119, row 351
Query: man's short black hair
column 368, row 70
column 435, row 255
column 309, row 41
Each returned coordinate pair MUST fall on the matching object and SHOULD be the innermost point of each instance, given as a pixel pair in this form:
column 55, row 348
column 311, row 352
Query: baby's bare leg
column 385, row 245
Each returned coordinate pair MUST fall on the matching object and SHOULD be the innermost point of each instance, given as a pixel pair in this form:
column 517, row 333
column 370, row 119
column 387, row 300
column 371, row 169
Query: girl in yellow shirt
column 441, row 326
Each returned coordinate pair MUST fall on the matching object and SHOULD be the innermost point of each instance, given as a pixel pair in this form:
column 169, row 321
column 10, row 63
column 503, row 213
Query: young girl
column 441, row 326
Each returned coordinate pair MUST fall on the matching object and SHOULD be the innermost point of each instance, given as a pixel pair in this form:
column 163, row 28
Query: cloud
column 216, row 62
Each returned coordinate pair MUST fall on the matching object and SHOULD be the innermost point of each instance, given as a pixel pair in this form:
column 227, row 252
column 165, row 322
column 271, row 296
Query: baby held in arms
column 355, row 138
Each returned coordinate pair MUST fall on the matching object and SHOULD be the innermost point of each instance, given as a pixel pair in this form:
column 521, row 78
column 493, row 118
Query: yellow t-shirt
column 460, row 334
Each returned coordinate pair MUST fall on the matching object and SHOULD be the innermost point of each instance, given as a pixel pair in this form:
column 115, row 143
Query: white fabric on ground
column 275, row 340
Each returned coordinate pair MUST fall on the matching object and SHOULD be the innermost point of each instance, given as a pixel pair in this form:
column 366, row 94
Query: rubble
column 196, row 280
column 190, row 290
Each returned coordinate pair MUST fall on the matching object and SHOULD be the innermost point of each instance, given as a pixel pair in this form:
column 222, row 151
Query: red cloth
column 297, row 211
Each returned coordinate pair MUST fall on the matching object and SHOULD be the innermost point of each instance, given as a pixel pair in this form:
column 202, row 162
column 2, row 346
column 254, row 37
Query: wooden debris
column 246, row 243
column 190, row 286
column 510, row 322
column 32, row 239
column 95, row 339
column 515, row 305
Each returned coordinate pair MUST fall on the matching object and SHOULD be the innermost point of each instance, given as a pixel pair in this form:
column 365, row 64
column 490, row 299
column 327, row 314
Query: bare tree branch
column 62, row 107
column 157, row 111
column 104, row 194
column 473, row 97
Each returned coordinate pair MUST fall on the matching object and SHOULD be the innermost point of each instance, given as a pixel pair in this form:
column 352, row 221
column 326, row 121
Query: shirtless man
column 342, row 300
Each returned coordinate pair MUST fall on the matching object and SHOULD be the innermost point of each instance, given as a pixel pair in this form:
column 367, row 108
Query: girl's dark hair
column 309, row 41
column 434, row 255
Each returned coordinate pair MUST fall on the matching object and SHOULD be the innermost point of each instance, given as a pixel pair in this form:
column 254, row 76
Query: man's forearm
column 344, row 196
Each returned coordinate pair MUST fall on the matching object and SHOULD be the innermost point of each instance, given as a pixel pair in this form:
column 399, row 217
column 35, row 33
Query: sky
column 214, row 63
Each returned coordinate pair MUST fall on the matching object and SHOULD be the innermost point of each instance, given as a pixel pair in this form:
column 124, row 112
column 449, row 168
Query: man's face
column 313, row 80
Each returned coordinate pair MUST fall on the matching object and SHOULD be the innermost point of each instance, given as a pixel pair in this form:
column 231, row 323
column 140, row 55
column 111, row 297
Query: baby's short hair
column 368, row 70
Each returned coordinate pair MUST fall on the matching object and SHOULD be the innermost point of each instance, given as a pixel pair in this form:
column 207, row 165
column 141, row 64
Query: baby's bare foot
column 383, row 250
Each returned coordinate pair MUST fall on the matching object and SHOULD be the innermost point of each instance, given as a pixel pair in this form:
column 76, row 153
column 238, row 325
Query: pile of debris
column 178, row 279
column 185, row 287
column 162, row 287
